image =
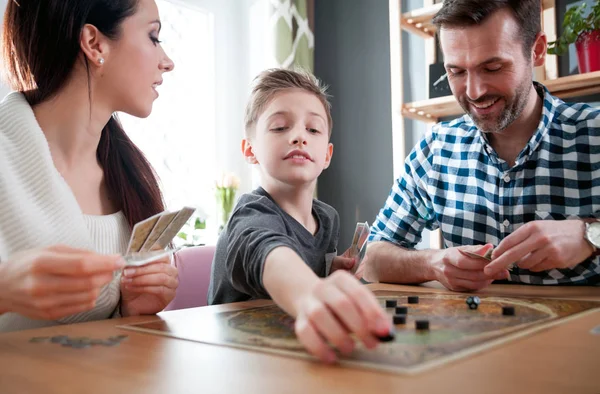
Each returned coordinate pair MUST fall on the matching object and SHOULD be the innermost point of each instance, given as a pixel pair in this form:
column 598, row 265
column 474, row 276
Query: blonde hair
column 273, row 81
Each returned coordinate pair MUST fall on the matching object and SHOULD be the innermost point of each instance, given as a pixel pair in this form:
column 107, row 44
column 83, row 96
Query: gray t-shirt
column 256, row 227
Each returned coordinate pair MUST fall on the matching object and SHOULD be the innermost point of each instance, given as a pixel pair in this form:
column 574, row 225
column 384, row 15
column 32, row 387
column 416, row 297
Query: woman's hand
column 148, row 289
column 54, row 282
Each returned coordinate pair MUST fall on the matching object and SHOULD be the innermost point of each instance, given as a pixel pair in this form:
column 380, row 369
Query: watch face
column 593, row 233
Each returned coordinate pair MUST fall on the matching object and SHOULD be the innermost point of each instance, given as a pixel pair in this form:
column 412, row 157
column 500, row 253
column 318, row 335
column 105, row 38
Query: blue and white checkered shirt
column 454, row 180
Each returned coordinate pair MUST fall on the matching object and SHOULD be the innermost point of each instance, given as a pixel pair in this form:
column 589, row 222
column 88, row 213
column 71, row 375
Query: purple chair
column 194, row 266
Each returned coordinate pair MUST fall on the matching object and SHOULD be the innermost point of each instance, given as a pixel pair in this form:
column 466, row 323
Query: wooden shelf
column 419, row 21
column 565, row 87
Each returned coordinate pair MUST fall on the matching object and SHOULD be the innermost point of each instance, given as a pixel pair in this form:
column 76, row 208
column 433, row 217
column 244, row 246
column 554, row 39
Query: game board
column 455, row 330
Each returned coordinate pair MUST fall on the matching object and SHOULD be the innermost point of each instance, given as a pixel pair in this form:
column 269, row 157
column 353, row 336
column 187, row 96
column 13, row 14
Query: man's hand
column 542, row 245
column 459, row 272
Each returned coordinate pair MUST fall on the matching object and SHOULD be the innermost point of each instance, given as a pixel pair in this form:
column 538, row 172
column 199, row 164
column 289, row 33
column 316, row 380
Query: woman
column 72, row 184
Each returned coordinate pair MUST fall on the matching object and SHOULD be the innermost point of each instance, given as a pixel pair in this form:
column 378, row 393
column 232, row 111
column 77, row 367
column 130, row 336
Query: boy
column 279, row 239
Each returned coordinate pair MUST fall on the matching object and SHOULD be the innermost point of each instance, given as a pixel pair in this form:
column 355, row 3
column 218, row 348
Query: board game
column 455, row 330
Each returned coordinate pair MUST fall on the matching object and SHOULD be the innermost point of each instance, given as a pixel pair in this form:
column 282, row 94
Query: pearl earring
column 101, row 61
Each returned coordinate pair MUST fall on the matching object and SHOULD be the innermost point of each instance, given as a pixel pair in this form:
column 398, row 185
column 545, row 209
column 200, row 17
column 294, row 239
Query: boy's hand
column 336, row 307
column 347, row 262
column 342, row 263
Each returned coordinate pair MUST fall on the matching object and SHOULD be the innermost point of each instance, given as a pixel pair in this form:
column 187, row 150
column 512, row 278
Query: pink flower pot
column 588, row 51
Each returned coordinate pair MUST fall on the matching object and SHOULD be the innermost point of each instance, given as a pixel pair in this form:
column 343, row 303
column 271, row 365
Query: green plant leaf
column 183, row 236
column 573, row 25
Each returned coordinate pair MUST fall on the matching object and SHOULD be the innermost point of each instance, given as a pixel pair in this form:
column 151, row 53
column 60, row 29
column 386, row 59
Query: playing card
column 487, row 256
column 359, row 243
column 159, row 228
column 142, row 258
column 140, row 232
column 362, row 239
column 173, row 228
column 361, row 254
column 354, row 244
column 360, row 234
column 477, row 256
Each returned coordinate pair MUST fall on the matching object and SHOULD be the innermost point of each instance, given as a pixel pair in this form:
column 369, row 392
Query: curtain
column 292, row 24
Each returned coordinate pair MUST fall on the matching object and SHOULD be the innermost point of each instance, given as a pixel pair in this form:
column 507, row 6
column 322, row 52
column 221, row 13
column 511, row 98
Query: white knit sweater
column 38, row 208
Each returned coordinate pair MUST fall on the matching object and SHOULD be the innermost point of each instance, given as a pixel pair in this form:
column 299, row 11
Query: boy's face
column 291, row 139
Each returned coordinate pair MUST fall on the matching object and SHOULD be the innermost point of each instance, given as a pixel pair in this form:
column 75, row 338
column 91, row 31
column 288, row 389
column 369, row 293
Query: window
column 178, row 138
column 196, row 126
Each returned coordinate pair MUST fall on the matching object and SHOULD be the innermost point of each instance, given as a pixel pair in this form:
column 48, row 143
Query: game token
column 399, row 319
column 413, row 299
column 389, row 337
column 401, row 310
column 508, row 310
column 391, row 303
column 422, row 324
column 473, row 302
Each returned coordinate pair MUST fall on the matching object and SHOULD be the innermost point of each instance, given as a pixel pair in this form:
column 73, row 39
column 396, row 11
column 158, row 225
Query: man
column 520, row 171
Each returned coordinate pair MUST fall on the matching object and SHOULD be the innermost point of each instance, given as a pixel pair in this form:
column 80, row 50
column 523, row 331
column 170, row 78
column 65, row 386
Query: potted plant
column 226, row 187
column 585, row 33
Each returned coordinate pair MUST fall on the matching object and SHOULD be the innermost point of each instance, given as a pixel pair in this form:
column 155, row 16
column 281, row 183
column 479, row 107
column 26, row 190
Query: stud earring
column 101, row 61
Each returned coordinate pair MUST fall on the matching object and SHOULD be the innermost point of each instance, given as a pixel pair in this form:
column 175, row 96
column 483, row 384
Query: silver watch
column 592, row 234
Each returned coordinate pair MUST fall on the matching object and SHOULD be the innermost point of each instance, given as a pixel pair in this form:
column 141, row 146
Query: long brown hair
column 40, row 47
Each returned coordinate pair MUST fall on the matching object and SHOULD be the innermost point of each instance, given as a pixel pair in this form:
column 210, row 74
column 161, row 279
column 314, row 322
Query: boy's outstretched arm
column 327, row 310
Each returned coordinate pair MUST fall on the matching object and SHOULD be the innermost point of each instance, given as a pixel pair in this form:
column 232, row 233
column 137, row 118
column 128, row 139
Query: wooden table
column 562, row 359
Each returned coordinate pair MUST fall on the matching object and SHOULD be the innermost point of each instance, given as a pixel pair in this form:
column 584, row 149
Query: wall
column 352, row 56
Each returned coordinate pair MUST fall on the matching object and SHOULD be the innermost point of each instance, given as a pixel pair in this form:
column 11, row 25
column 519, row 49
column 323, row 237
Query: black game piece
column 389, row 337
column 399, row 319
column 508, row 310
column 390, row 303
column 422, row 324
column 401, row 310
column 413, row 299
column 473, row 302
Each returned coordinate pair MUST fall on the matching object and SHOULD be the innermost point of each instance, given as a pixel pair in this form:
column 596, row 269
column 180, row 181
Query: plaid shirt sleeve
column 454, row 180
column 408, row 208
